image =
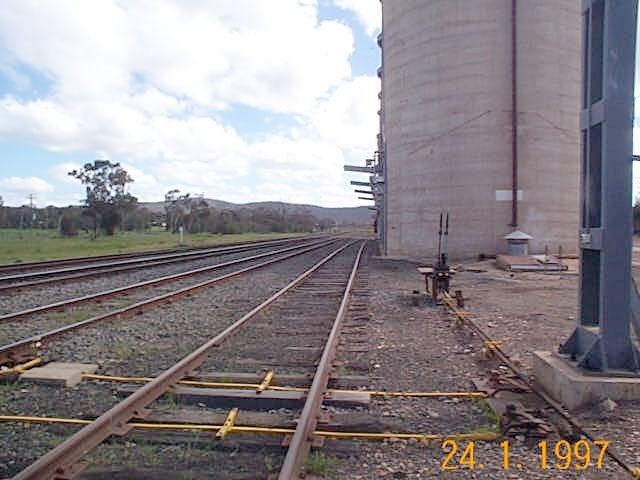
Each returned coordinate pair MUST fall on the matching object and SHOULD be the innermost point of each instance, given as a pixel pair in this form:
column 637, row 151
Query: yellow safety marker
column 255, row 386
column 266, row 381
column 21, row 368
column 228, row 424
column 423, row 437
column 490, row 346
column 461, row 315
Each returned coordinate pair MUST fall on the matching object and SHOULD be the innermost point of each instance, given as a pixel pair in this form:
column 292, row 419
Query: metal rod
column 514, row 114
column 440, row 238
column 445, row 241
column 479, row 436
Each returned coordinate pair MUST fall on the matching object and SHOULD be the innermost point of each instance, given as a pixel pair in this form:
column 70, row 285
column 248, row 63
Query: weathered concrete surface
column 58, row 373
column 574, row 389
column 446, row 97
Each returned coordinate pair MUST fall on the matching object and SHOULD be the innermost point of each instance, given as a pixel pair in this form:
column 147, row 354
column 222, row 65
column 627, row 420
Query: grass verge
column 34, row 245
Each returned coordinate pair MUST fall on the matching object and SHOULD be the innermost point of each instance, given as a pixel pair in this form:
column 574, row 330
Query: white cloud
column 60, row 172
column 369, row 12
column 273, row 55
column 15, row 190
column 147, row 84
column 349, row 117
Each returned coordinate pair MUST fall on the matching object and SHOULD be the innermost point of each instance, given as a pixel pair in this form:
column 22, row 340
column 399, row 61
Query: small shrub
column 68, row 227
column 319, row 464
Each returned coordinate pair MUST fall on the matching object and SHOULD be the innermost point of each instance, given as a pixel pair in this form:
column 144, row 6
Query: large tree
column 107, row 197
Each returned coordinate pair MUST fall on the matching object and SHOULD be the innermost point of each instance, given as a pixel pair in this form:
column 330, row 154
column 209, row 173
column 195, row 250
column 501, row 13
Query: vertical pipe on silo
column 514, row 115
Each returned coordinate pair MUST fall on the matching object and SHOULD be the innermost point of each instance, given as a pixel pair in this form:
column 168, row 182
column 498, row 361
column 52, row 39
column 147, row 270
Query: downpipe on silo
column 514, row 115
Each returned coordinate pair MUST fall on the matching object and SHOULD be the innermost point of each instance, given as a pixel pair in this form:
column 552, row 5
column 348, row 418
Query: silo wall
column 447, row 123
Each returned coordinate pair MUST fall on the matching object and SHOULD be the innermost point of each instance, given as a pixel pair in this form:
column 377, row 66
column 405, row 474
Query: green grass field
column 32, row 245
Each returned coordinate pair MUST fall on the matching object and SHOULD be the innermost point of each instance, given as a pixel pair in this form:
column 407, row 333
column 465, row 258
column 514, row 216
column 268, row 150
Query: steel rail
column 300, row 443
column 147, row 283
column 15, row 267
column 62, row 460
column 466, row 320
column 12, row 267
column 124, row 265
column 28, row 347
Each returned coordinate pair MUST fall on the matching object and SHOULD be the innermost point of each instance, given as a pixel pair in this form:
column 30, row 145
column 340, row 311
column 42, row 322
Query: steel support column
column 602, row 341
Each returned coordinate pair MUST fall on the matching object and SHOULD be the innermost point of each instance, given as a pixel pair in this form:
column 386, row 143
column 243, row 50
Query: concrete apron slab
column 574, row 388
column 58, row 373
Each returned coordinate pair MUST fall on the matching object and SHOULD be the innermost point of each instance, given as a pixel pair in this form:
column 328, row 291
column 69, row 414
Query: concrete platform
column 530, row 263
column 574, row 388
column 58, row 373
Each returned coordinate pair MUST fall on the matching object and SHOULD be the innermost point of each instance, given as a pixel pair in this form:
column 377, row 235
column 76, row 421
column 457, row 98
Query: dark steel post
column 602, row 340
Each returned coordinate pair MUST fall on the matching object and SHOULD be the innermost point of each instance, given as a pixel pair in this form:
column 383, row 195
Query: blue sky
column 242, row 100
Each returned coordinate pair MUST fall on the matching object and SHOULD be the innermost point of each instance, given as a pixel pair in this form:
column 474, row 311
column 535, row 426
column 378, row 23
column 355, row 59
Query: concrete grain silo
column 462, row 129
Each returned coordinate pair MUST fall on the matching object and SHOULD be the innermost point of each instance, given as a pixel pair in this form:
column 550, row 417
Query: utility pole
column 31, row 198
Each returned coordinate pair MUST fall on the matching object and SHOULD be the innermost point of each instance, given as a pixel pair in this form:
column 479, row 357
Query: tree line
column 109, row 207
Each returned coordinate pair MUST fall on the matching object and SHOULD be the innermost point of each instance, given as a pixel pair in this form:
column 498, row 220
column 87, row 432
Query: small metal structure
column 375, row 168
column 601, row 341
column 517, row 243
column 440, row 273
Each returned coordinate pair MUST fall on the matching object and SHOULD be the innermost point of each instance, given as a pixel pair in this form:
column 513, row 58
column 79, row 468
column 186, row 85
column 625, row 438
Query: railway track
column 27, row 338
column 124, row 290
column 270, row 358
column 325, row 286
column 38, row 274
column 36, row 265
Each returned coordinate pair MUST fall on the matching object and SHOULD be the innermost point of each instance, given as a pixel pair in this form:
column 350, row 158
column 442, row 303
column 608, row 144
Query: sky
column 239, row 100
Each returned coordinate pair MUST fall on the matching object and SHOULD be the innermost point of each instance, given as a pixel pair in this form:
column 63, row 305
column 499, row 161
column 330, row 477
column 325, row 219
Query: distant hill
column 342, row 216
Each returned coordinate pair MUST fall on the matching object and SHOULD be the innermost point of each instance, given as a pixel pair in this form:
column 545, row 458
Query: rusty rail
column 147, row 283
column 74, row 273
column 13, row 267
column 62, row 461
column 300, row 443
column 466, row 320
column 24, row 349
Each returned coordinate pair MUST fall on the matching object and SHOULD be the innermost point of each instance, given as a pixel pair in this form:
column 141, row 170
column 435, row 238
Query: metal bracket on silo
column 602, row 339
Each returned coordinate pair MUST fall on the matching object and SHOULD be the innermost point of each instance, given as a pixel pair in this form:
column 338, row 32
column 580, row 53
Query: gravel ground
column 416, row 348
column 36, row 296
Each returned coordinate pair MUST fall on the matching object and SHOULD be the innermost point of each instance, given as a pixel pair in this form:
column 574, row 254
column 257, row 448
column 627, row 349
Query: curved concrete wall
column 446, row 83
